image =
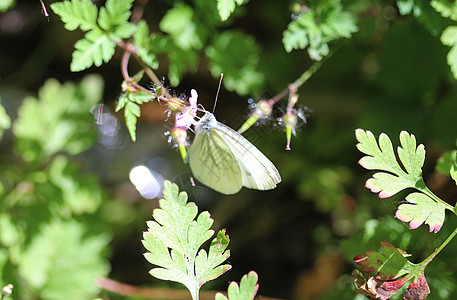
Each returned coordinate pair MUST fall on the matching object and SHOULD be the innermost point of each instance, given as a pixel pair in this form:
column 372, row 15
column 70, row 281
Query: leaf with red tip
column 418, row 289
column 421, row 209
column 382, row 157
column 389, row 263
column 376, row 288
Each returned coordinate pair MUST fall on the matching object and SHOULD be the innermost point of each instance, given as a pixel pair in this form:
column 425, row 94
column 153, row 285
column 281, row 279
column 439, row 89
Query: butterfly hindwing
column 213, row 163
column 257, row 171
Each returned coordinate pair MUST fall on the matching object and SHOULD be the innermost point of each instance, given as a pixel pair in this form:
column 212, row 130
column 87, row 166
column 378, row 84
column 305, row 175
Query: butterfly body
column 226, row 161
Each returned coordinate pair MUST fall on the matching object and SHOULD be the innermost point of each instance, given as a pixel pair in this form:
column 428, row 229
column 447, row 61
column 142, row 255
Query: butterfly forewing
column 213, row 163
column 257, row 171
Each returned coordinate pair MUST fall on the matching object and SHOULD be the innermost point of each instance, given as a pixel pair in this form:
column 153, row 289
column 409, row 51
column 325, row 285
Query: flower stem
column 438, row 250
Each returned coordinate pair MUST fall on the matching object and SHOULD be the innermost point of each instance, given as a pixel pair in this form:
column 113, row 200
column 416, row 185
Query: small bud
column 127, row 87
column 159, row 91
column 176, row 104
column 7, row 290
column 180, row 135
column 261, row 110
column 290, row 122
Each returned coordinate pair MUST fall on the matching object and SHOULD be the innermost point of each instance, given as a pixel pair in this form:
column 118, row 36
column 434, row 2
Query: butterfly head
column 206, row 123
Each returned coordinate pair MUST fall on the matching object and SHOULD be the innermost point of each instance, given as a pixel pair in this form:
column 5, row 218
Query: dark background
column 390, row 76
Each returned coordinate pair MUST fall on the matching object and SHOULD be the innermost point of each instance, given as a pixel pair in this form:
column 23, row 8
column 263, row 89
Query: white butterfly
column 226, row 161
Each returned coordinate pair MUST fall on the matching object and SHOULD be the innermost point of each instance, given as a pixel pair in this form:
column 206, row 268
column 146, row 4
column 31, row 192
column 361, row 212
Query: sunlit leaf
column 94, row 49
column 5, row 121
column 246, row 290
column 77, row 13
column 173, row 241
column 227, row 7
column 59, row 120
column 420, row 209
column 62, row 263
column 237, row 56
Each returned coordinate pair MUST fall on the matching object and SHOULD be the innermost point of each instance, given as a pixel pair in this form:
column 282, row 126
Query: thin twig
column 156, row 293
column 138, row 11
column 292, row 88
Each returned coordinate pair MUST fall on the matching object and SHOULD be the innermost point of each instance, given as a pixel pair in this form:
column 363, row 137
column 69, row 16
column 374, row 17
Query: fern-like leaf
column 77, row 13
column 173, row 241
column 420, row 208
column 94, row 49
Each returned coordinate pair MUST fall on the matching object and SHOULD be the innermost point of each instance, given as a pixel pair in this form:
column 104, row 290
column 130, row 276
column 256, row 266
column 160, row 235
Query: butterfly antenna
column 217, row 93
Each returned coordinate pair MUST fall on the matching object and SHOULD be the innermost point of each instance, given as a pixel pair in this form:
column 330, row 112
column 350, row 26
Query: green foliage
column 61, row 263
column 382, row 157
column 94, row 49
column 447, row 164
column 446, row 8
column 5, row 121
column 5, row 4
column 46, row 126
column 44, row 251
column 174, row 239
column 227, row 7
column 113, row 18
column 99, row 43
column 320, row 24
column 129, row 102
column 423, row 12
column 389, row 262
column 237, row 56
column 77, row 13
column 449, row 38
column 180, row 24
column 420, row 208
column 143, row 44
column 246, row 290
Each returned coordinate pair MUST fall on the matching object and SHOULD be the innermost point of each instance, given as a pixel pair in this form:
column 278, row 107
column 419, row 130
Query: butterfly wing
column 213, row 163
column 257, row 171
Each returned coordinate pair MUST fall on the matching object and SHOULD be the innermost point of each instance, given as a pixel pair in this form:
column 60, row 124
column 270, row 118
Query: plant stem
column 438, row 250
column 297, row 83
column 193, row 288
column 429, row 193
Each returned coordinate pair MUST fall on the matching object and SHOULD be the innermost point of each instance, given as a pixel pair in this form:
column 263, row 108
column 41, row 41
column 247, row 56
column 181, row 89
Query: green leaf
column 447, row 164
column 181, row 61
column 62, row 262
column 142, row 42
column 94, row 49
column 449, row 38
column 175, row 237
column 446, row 8
column 227, row 7
column 389, row 262
column 81, row 194
column 317, row 26
column 58, row 120
column 207, row 266
column 115, row 12
column 420, row 209
column 423, row 12
column 295, row 37
column 77, row 13
column 180, row 24
column 236, row 55
column 114, row 17
column 129, row 101
column 246, row 290
column 5, row 5
column 394, row 179
column 5, row 121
